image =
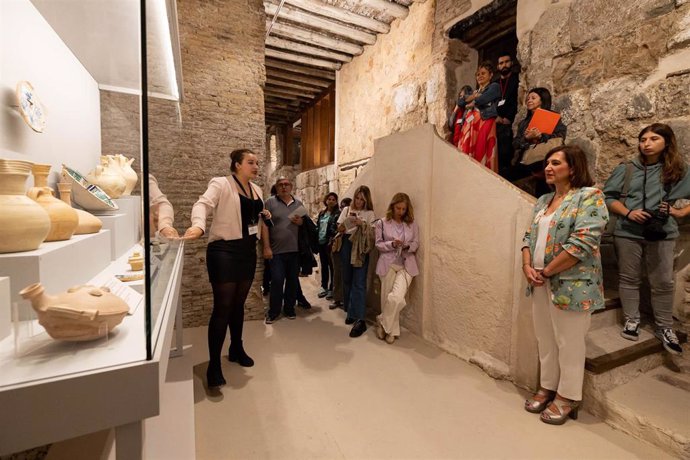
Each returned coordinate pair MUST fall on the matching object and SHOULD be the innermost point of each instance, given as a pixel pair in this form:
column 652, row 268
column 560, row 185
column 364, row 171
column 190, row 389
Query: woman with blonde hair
column 355, row 225
column 397, row 239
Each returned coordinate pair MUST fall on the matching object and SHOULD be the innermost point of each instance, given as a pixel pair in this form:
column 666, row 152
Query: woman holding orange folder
column 526, row 138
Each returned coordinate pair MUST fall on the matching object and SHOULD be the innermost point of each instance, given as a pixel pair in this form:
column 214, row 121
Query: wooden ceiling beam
column 289, row 45
column 289, row 91
column 318, row 22
column 272, row 73
column 275, row 92
column 292, row 102
column 340, row 14
column 307, row 36
column 303, row 59
column 389, row 7
column 275, row 82
column 288, row 66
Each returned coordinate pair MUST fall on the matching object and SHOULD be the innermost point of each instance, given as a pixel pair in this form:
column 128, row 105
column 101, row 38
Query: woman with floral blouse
column 562, row 265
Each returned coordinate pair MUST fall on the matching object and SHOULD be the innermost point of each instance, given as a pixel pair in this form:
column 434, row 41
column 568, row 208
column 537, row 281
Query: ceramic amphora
column 63, row 218
column 108, row 177
column 24, row 224
column 88, row 223
column 124, row 165
column 82, row 313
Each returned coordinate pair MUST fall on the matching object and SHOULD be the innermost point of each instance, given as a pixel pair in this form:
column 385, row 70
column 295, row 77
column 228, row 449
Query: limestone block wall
column 391, row 82
column 222, row 65
column 609, row 77
column 469, row 297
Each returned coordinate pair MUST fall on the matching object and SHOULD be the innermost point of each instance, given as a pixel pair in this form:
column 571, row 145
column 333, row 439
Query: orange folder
column 544, row 120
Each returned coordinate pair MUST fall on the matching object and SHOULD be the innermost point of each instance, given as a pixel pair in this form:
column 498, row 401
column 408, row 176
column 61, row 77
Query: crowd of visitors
column 561, row 259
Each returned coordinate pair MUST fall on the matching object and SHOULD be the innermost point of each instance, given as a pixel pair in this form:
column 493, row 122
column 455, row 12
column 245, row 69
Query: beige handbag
column 539, row 151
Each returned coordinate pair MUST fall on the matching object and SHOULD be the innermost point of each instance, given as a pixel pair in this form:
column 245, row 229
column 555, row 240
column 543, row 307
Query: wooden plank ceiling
column 308, row 40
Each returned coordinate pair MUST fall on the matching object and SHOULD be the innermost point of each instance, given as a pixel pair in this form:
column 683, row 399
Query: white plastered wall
column 31, row 50
column 469, row 297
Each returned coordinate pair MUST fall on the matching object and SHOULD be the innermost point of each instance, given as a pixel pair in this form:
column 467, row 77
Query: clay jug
column 125, row 166
column 88, row 223
column 23, row 223
column 136, row 261
column 108, row 179
column 82, row 313
column 63, row 218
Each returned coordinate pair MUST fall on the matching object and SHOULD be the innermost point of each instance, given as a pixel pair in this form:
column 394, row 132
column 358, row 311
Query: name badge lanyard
column 249, row 195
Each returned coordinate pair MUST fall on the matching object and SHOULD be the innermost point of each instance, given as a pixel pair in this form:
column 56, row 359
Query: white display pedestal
column 58, row 264
column 5, row 308
column 131, row 205
column 120, row 227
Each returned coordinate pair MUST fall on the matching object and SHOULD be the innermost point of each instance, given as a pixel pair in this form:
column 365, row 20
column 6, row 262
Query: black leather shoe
column 214, row 377
column 349, row 320
column 236, row 354
column 335, row 305
column 358, row 329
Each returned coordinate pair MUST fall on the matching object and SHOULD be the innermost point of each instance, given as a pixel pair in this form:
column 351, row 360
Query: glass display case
column 86, row 274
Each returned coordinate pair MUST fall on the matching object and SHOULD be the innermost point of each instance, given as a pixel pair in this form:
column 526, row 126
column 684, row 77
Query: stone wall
column 222, row 65
column 610, row 77
column 391, row 82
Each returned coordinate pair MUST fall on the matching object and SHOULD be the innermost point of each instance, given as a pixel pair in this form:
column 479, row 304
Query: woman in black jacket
column 327, row 228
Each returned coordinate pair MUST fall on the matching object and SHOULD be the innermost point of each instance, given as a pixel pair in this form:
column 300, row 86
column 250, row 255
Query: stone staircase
column 637, row 387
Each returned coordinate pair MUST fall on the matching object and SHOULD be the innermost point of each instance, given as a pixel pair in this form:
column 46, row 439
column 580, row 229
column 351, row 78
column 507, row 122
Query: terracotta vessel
column 23, row 223
column 88, row 223
column 124, row 166
column 136, row 261
column 108, row 178
column 63, row 218
column 80, row 314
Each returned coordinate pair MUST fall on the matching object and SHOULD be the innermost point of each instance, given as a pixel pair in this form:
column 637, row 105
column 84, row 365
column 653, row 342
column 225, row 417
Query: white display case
column 79, row 66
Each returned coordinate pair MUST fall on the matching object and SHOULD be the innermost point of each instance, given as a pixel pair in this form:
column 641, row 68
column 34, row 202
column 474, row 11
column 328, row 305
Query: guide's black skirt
column 230, row 261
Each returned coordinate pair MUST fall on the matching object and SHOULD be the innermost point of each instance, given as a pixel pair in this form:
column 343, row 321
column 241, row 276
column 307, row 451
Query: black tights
column 228, row 313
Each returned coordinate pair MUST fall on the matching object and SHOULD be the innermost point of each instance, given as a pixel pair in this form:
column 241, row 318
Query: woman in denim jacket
column 561, row 262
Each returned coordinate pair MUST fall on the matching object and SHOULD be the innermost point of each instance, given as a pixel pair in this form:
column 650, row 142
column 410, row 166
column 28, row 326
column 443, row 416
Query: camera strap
column 667, row 190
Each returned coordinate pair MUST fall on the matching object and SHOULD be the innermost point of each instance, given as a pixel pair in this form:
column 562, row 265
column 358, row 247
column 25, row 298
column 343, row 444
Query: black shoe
column 349, row 320
column 303, row 303
column 669, row 340
column 359, row 328
column 631, row 330
column 270, row 319
column 290, row 314
column 214, row 377
column 335, row 305
column 236, row 354
column 329, row 294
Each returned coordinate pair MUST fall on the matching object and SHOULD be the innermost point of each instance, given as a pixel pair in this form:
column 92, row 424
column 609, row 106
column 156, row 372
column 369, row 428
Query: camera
column 654, row 227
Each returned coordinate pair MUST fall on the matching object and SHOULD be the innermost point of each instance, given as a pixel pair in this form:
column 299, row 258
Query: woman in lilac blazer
column 397, row 239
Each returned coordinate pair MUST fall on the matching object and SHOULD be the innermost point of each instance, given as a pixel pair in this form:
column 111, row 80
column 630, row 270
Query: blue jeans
column 354, row 282
column 284, row 279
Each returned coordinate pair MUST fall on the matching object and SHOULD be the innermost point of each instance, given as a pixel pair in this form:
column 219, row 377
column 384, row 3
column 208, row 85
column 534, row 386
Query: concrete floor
column 315, row 393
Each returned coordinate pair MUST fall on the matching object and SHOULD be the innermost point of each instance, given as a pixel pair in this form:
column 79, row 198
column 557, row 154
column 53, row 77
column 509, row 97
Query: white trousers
column 394, row 287
column 561, row 339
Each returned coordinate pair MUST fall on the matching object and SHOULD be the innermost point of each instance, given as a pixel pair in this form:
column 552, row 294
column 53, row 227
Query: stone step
column 606, row 349
column 611, row 315
column 655, row 407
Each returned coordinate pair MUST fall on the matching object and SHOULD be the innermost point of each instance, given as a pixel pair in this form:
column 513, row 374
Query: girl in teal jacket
column 646, row 228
